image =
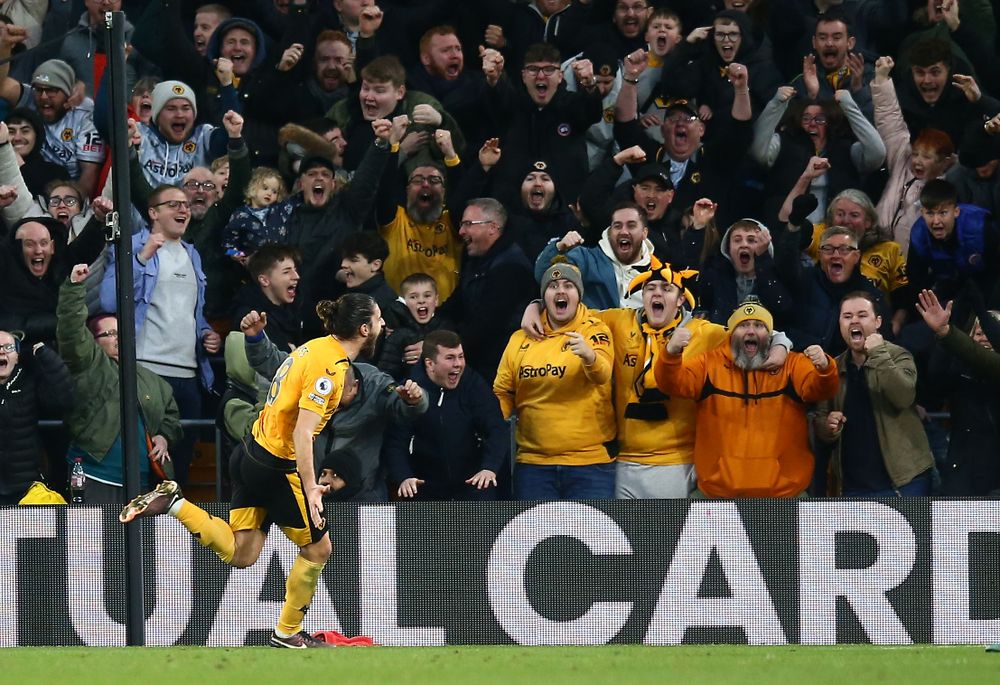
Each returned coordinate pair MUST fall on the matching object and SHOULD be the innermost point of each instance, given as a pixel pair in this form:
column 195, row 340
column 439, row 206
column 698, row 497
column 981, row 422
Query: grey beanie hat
column 562, row 270
column 166, row 91
column 54, row 73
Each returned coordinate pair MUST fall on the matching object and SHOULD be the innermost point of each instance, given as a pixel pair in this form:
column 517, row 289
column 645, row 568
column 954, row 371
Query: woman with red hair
column 910, row 165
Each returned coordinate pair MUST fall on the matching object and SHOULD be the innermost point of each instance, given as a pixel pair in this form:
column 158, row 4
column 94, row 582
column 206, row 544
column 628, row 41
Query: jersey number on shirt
column 279, row 377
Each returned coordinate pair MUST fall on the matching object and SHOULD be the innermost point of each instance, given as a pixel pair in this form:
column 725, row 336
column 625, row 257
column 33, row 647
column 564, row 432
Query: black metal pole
column 120, row 230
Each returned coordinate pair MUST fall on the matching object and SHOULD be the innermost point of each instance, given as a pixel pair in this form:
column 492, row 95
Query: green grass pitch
column 624, row 665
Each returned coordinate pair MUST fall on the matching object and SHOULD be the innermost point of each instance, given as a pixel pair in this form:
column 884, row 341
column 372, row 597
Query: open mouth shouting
column 830, row 58
column 536, row 198
column 541, row 89
column 38, row 266
column 425, row 199
column 561, row 304
column 657, row 307
column 452, row 69
column 319, row 193
column 630, row 25
column 423, row 314
column 728, row 52
column 745, row 257
column 857, row 335
column 240, row 62
column 199, row 201
column 371, row 109
column 836, row 269
column 178, row 127
column 930, row 92
column 751, row 344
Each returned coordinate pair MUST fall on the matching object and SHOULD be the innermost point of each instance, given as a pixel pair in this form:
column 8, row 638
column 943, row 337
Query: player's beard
column 368, row 349
column 750, row 362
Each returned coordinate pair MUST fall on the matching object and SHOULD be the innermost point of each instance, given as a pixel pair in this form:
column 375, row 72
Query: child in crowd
column 261, row 220
column 402, row 349
column 220, row 172
column 364, row 254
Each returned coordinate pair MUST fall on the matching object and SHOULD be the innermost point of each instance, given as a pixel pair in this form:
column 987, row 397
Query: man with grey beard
column 751, row 435
column 414, row 219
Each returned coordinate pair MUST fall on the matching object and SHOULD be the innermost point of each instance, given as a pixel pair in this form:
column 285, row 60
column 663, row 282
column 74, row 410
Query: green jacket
column 94, row 423
column 981, row 360
column 242, row 383
column 891, row 377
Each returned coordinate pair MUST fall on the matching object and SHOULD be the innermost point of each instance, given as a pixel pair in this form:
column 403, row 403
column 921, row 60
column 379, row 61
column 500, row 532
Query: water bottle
column 77, row 482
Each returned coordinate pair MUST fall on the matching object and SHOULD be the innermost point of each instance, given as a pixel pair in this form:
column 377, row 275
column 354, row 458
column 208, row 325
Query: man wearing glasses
column 496, row 283
column 546, row 121
column 412, row 216
column 209, row 212
column 173, row 339
column 71, row 139
column 820, row 289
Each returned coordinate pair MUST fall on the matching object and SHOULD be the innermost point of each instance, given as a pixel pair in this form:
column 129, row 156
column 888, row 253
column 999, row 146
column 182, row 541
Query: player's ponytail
column 344, row 317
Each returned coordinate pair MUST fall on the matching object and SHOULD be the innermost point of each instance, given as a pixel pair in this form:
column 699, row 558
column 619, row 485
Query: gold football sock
column 211, row 531
column 299, row 591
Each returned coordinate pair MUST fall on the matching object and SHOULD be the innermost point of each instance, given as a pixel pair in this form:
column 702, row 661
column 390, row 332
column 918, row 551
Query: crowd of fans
column 717, row 248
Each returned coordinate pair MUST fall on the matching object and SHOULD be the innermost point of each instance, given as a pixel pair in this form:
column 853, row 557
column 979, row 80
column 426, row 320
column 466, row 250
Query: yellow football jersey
column 312, row 378
column 434, row 249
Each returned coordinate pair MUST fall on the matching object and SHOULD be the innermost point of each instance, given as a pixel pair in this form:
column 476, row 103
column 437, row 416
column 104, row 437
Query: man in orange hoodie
column 751, row 435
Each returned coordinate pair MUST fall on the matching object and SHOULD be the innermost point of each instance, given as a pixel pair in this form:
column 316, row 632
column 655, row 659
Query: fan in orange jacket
column 751, row 434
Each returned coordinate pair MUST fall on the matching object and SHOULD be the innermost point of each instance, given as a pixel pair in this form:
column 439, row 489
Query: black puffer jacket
column 40, row 386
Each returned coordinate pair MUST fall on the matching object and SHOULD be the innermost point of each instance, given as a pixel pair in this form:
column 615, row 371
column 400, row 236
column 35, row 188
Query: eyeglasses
column 637, row 7
column 173, row 204
column 534, row 70
column 466, row 223
column 8, row 348
column 681, row 119
column 67, row 200
column 819, row 119
column 842, row 250
column 107, row 334
column 418, row 179
column 199, row 185
column 730, row 37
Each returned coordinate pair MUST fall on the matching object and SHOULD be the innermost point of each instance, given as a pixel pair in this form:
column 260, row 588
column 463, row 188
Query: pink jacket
column 899, row 206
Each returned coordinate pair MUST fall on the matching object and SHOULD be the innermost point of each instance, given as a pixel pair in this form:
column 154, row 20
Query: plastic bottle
column 77, row 482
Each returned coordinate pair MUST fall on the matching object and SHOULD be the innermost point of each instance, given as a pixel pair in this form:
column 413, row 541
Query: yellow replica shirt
column 311, row 378
column 884, row 263
column 648, row 435
column 564, row 412
column 433, row 249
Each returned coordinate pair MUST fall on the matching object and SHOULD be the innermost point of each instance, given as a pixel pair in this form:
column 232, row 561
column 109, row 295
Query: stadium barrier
column 654, row 572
